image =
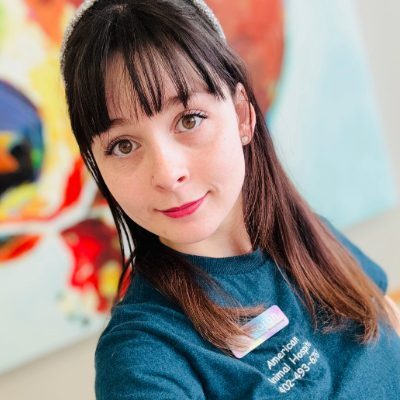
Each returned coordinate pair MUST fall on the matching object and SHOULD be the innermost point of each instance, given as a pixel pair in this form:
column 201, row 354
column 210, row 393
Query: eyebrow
column 170, row 102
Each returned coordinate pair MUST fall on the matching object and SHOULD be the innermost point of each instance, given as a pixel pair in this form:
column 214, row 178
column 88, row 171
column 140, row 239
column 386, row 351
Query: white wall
column 380, row 236
column 69, row 374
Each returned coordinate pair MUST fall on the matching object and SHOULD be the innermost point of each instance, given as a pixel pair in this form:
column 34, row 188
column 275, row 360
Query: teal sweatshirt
column 150, row 349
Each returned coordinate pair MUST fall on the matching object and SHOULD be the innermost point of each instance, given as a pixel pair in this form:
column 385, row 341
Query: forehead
column 125, row 94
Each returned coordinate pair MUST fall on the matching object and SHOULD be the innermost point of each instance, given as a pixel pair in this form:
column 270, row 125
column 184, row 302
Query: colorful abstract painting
column 59, row 253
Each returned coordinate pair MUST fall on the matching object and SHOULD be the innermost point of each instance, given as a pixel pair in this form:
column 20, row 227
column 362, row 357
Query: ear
column 245, row 113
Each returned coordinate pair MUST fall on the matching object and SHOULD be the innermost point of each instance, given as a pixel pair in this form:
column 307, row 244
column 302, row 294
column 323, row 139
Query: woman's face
column 176, row 157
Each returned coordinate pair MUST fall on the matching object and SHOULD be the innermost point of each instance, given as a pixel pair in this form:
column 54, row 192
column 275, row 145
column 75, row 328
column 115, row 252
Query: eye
column 190, row 121
column 120, row 148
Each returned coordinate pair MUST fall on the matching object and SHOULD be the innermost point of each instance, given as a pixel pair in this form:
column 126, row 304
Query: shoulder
column 137, row 358
column 370, row 267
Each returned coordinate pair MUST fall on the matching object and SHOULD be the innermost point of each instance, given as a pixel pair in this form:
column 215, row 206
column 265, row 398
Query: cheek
column 125, row 187
column 226, row 159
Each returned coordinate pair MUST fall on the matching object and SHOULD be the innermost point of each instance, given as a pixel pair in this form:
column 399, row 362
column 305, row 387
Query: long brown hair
column 321, row 271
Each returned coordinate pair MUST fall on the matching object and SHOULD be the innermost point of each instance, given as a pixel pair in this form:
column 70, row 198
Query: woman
column 237, row 289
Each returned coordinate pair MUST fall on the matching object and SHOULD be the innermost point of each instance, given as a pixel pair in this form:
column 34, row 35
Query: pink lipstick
column 184, row 210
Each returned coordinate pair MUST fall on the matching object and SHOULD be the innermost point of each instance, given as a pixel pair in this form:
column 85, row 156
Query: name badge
column 265, row 325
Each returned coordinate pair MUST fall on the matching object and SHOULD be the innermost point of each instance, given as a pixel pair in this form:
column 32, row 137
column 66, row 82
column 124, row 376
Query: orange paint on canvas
column 7, row 162
column 17, row 247
column 258, row 37
column 48, row 14
column 395, row 296
column 73, row 185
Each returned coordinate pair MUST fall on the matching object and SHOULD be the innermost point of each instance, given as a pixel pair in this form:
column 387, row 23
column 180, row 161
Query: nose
column 169, row 170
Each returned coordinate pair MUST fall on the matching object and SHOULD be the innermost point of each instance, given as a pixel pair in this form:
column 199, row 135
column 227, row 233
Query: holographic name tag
column 264, row 326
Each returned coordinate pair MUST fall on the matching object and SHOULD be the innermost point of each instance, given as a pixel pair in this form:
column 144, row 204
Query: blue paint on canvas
column 325, row 121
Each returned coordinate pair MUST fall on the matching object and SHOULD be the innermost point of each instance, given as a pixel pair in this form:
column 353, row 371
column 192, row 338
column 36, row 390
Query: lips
column 187, row 205
column 184, row 210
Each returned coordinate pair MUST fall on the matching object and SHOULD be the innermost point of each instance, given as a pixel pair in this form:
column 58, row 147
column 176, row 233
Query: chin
column 190, row 236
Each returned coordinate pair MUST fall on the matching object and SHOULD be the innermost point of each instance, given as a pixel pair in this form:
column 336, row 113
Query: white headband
column 199, row 4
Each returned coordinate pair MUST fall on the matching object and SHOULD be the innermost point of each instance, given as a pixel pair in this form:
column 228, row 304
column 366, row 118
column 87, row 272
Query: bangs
column 153, row 54
column 147, row 78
